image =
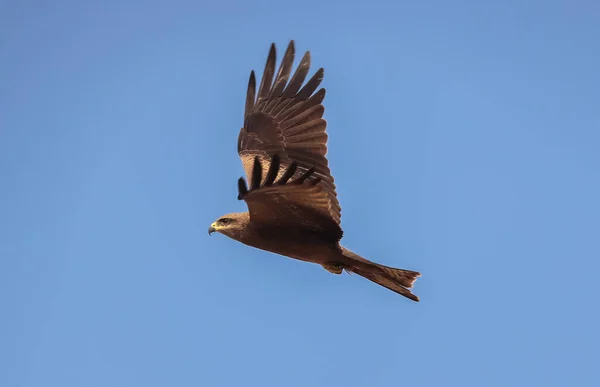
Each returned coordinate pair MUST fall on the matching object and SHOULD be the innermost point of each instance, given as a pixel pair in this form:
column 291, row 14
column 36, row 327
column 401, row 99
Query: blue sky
column 464, row 142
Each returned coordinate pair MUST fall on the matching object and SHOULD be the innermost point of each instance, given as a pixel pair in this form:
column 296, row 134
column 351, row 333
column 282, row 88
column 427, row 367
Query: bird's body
column 283, row 240
column 292, row 202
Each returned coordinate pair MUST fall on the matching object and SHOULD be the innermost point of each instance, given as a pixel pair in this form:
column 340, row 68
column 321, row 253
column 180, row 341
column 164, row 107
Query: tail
column 397, row 280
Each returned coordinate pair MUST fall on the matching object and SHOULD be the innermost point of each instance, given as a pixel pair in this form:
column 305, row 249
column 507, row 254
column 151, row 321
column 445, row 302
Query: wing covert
column 288, row 199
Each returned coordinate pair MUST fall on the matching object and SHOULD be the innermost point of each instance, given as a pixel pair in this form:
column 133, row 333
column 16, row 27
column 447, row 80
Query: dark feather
column 267, row 79
column 298, row 77
column 304, row 176
column 256, row 174
column 242, row 188
column 288, row 173
column 312, row 84
column 250, row 95
column 273, row 170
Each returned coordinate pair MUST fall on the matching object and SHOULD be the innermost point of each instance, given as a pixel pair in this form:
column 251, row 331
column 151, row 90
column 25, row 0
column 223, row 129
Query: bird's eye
column 224, row 221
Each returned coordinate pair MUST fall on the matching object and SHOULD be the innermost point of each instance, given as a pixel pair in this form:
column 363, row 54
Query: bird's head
column 231, row 225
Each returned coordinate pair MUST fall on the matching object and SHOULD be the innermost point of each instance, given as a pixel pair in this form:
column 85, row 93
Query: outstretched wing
column 285, row 119
column 280, row 201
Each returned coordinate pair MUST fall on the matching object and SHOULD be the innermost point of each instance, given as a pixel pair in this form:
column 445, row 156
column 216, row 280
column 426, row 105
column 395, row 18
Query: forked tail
column 397, row 280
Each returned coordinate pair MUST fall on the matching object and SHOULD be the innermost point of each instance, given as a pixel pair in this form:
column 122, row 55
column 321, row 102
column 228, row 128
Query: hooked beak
column 211, row 229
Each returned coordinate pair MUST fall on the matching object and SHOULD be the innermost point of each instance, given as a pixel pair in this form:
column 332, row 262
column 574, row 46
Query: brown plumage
column 292, row 203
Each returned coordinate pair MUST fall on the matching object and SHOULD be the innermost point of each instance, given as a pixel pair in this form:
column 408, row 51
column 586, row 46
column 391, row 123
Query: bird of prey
column 293, row 208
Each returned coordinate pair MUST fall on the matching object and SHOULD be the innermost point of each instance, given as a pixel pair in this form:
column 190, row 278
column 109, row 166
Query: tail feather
column 397, row 280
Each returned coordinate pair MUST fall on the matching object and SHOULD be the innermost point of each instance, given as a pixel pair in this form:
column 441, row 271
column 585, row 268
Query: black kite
column 292, row 202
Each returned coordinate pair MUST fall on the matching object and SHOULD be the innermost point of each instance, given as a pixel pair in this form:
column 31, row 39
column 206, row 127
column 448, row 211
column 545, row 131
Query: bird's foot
column 334, row 268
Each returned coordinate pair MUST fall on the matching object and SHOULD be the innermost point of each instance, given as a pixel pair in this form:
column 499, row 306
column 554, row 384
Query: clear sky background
column 464, row 140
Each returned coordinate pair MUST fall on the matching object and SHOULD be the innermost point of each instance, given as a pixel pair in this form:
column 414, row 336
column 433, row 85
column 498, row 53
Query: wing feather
column 285, row 118
column 299, row 76
column 267, row 78
column 250, row 95
column 284, row 72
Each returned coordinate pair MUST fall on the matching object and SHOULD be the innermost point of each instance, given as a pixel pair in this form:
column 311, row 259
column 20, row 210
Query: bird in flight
column 293, row 208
